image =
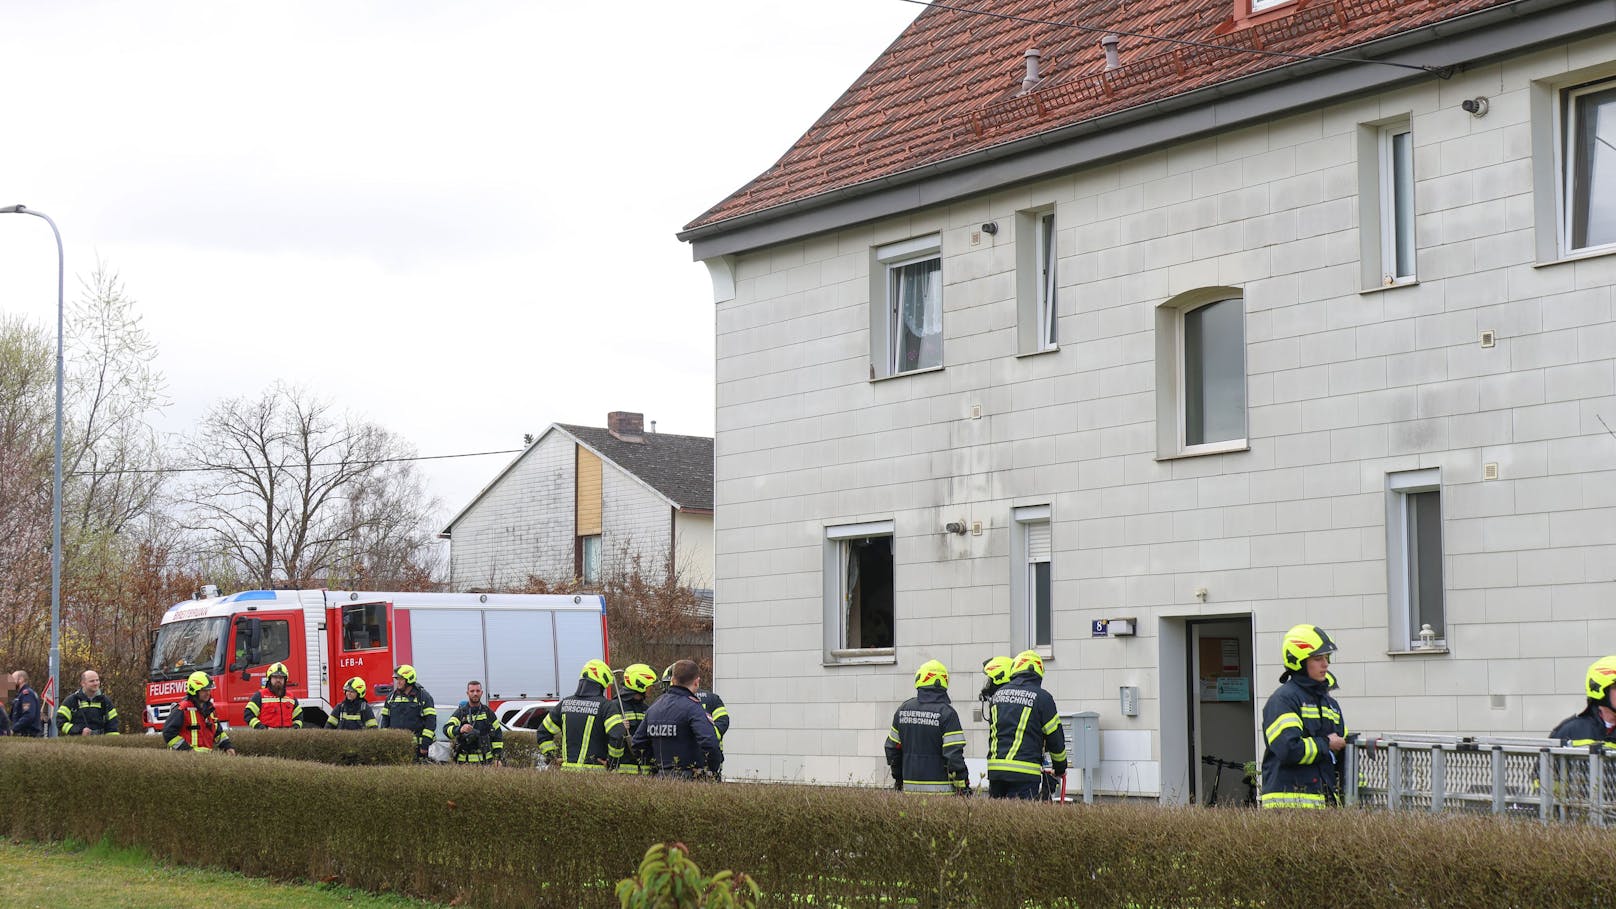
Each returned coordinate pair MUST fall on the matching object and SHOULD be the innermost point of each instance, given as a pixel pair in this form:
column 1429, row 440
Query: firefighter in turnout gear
column 192, row 724
column 588, row 724
column 271, row 707
column 354, row 712
column 1023, row 724
column 637, row 680
column 475, row 731
column 926, row 746
column 1596, row 724
column 710, row 702
column 678, row 730
column 87, row 711
column 1303, row 726
column 410, row 707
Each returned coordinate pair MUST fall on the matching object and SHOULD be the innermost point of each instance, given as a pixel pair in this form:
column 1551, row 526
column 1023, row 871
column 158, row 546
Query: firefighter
column 1303, row 726
column 26, row 718
column 678, row 731
column 637, row 680
column 410, row 707
column 926, row 745
column 192, row 724
column 588, row 723
column 87, row 711
column 710, row 702
column 271, row 707
column 1023, row 724
column 354, row 712
column 475, row 731
column 1596, row 724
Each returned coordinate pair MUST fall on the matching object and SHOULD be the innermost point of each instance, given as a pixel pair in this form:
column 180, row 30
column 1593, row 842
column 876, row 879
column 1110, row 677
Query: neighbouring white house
column 1135, row 333
column 584, row 502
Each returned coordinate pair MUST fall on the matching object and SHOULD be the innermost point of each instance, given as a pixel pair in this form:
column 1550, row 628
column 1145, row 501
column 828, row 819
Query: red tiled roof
column 950, row 85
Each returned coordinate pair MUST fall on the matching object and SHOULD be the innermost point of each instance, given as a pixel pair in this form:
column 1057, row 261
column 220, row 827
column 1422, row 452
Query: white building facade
column 1353, row 364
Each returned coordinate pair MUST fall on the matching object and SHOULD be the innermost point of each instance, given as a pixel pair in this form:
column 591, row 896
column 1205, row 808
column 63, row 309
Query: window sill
column 1577, row 256
column 874, row 656
column 1212, row 449
column 1429, row 651
column 1038, row 353
column 905, row 375
column 1395, row 285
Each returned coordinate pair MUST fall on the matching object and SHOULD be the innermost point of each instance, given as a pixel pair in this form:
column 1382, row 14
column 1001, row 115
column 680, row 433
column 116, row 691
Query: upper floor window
column 909, row 302
column 1589, row 166
column 1201, row 371
column 1036, row 313
column 1396, row 203
column 1258, row 6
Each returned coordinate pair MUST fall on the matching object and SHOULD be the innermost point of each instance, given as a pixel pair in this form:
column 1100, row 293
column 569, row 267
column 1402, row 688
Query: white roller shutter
column 1038, row 542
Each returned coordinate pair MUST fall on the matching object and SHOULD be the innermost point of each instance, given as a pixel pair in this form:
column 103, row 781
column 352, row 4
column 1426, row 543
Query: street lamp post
column 56, row 473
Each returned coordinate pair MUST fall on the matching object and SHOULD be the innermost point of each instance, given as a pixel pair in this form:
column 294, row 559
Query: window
column 1258, row 6
column 1396, row 204
column 364, row 626
column 1031, row 624
column 859, row 601
column 1036, row 314
column 589, row 559
column 1201, row 373
column 274, row 642
column 907, row 328
column 1589, row 162
column 1414, row 558
column 1386, row 252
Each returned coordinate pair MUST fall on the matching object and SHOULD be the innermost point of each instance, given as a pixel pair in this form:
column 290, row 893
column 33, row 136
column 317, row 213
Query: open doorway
column 1221, row 707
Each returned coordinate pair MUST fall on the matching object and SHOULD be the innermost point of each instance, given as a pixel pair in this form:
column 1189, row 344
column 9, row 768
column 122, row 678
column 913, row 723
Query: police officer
column 1023, row 723
column 271, row 707
column 637, row 680
column 710, row 702
column 354, row 712
column 1303, row 726
column 87, row 711
column 1596, row 724
column 588, row 723
column 25, row 715
column 410, row 707
column 678, row 730
column 192, row 724
column 926, row 745
column 475, row 731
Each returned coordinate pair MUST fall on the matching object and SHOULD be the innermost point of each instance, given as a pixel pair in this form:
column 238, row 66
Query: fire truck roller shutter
column 448, row 653
column 522, row 654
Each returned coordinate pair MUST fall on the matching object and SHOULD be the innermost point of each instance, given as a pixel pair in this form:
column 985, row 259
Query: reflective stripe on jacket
column 268, row 710
column 193, row 726
column 634, row 761
column 714, row 705
column 80, row 712
column 926, row 746
column 352, row 713
column 414, row 712
column 1023, row 724
column 1298, row 767
column 589, row 726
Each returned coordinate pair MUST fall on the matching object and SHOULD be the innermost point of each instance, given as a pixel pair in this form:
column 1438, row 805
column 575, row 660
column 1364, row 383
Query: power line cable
column 142, row 470
column 1441, row 72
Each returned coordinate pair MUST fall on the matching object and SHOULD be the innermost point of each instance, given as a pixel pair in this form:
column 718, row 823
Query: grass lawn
column 75, row 876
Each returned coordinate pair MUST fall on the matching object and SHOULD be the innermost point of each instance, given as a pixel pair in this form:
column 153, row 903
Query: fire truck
column 522, row 647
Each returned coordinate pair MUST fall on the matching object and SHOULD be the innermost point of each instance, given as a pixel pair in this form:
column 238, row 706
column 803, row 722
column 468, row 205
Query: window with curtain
column 917, row 314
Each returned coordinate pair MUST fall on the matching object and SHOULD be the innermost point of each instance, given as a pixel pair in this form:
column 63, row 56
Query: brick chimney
column 625, row 426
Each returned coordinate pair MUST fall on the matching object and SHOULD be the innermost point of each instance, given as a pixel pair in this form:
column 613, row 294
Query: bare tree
column 294, row 493
column 27, row 382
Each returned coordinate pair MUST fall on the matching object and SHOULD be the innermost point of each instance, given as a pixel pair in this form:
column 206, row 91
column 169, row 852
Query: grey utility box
column 1083, row 739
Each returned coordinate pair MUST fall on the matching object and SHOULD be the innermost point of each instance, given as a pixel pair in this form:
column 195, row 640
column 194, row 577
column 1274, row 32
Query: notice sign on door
column 1221, row 676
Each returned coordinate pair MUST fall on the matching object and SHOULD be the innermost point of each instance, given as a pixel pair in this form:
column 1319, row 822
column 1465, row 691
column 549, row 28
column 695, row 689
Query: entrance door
column 1221, row 707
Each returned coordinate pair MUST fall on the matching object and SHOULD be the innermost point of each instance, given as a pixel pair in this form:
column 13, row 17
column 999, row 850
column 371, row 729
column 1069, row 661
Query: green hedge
column 326, row 746
column 511, row 838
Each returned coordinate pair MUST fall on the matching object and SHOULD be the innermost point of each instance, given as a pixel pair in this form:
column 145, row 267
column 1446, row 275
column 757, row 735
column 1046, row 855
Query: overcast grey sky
column 453, row 219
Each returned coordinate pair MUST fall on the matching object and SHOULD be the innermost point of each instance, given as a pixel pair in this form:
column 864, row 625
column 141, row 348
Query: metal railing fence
column 1521, row 777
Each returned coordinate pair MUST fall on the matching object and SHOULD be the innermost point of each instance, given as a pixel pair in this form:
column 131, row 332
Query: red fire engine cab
column 522, row 647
